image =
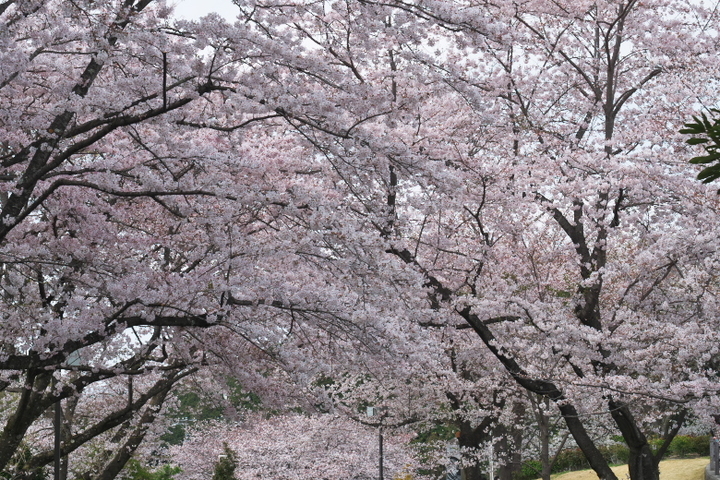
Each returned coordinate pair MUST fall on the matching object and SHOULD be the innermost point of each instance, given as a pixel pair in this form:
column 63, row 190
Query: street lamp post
column 58, row 436
column 378, row 412
column 491, row 465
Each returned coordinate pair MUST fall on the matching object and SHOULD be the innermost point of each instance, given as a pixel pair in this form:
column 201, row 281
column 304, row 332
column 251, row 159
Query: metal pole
column 492, row 466
column 380, row 438
column 58, row 422
column 716, row 455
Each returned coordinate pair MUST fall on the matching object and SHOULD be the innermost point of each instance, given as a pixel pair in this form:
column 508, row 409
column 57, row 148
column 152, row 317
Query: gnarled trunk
column 642, row 464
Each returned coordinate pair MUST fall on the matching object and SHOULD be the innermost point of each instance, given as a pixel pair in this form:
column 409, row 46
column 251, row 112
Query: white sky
column 194, row 9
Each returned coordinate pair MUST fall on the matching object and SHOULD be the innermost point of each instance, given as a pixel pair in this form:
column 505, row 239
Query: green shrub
column 574, row 459
column 226, row 465
column 570, row 459
column 701, row 445
column 18, row 468
column 681, row 446
column 684, row 445
column 134, row 470
column 616, row 453
column 529, row 470
column 655, row 443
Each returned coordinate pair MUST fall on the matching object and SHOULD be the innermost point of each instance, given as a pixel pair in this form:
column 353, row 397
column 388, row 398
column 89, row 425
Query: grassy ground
column 687, row 469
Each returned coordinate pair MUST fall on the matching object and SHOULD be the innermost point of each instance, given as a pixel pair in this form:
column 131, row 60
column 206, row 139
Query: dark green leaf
column 705, row 159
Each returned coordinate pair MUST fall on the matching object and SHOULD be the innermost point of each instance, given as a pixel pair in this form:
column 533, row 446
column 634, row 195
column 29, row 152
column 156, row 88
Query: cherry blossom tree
column 317, row 185
column 57, row 108
column 464, row 399
column 155, row 223
column 524, row 160
column 560, row 284
column 296, row 447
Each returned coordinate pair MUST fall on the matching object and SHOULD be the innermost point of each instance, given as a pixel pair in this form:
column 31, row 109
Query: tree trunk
column 470, row 439
column 29, row 407
column 597, row 462
column 546, row 389
column 509, row 445
column 509, row 452
column 543, row 423
column 642, row 464
column 540, row 406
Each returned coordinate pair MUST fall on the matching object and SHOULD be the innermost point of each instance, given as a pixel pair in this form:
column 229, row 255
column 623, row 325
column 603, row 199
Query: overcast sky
column 193, row 9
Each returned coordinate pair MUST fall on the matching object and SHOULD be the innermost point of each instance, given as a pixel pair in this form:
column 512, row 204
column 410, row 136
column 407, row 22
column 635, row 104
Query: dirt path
column 683, row 469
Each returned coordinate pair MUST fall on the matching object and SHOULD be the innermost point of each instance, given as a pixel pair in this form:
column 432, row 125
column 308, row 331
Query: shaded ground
column 680, row 469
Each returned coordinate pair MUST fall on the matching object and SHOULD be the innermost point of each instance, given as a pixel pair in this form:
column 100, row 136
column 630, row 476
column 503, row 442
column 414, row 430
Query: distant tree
column 294, row 447
column 137, row 471
column 226, row 465
column 194, row 402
